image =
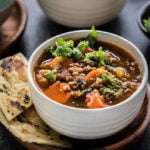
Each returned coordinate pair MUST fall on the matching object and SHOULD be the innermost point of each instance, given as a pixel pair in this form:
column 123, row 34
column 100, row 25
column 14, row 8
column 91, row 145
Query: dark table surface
column 39, row 28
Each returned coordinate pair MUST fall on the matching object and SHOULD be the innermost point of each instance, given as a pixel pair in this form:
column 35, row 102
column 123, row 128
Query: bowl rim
column 141, row 13
column 39, row 48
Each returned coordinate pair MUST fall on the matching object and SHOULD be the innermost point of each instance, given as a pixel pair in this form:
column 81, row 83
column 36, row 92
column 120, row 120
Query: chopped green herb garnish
column 77, row 54
column 50, row 75
column 107, row 77
column 113, row 89
column 147, row 24
column 89, row 57
column 103, row 57
column 64, row 48
column 83, row 45
column 99, row 55
column 108, row 91
column 115, row 83
column 61, row 42
column 112, row 93
column 118, row 93
column 50, row 48
column 92, row 37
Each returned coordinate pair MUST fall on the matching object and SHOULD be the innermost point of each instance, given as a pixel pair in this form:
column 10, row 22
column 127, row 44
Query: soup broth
column 103, row 75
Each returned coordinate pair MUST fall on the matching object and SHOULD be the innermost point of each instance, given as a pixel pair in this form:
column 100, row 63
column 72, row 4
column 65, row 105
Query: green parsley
column 50, row 75
column 89, row 57
column 66, row 47
column 118, row 93
column 61, row 42
column 103, row 57
column 100, row 56
column 147, row 24
column 107, row 77
column 77, row 54
column 112, row 93
column 114, row 81
column 83, row 45
column 92, row 37
column 113, row 89
column 63, row 48
column 50, row 48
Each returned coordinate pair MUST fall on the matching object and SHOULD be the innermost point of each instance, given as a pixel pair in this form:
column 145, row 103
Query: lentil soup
column 87, row 73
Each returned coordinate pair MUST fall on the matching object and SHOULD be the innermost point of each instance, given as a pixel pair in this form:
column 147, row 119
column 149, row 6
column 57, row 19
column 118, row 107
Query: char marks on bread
column 16, row 112
column 14, row 91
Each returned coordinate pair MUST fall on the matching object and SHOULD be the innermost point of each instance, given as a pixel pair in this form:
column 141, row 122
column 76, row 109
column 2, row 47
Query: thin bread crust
column 29, row 127
column 14, row 91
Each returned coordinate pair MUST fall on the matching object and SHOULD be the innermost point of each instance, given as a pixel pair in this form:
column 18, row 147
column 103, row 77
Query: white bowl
column 81, row 13
column 88, row 123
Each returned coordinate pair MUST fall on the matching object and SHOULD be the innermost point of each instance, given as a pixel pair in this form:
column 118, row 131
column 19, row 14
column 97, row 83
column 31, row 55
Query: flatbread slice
column 29, row 127
column 14, row 91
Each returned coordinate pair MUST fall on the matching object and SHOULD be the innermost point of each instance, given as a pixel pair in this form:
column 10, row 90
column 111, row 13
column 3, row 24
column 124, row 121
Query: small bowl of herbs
column 144, row 19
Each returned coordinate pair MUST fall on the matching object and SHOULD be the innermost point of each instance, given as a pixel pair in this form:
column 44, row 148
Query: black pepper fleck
column 37, row 136
column 4, row 86
column 46, row 130
column 17, row 105
column 1, row 90
column 19, row 119
column 36, row 125
column 26, row 98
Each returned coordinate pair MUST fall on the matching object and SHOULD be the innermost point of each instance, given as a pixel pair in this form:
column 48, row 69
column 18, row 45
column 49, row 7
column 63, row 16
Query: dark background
column 39, row 28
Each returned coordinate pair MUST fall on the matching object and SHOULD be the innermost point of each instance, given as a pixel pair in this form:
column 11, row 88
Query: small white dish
column 89, row 123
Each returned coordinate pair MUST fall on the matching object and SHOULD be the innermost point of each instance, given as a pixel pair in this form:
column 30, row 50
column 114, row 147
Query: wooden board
column 13, row 27
column 123, row 140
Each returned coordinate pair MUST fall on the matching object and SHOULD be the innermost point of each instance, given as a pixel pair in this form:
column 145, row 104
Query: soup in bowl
column 87, row 84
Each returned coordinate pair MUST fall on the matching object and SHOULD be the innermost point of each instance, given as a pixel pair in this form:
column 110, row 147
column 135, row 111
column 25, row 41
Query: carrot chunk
column 95, row 100
column 60, row 61
column 57, row 92
column 42, row 72
column 94, row 73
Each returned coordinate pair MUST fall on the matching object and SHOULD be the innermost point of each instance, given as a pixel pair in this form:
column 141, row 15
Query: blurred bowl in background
column 144, row 14
column 81, row 13
column 5, row 9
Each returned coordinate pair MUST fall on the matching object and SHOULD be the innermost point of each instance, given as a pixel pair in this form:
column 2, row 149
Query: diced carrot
column 55, row 62
column 94, row 73
column 63, row 61
column 134, row 86
column 66, row 62
column 95, row 100
column 42, row 72
column 57, row 93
